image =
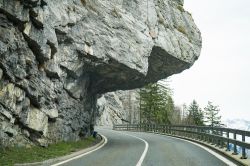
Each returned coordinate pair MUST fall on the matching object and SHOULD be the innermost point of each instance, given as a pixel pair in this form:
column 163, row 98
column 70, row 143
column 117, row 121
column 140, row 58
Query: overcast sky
column 222, row 73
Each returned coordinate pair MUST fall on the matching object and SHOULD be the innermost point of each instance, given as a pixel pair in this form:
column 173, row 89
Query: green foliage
column 14, row 155
column 195, row 114
column 156, row 104
column 212, row 115
column 157, row 107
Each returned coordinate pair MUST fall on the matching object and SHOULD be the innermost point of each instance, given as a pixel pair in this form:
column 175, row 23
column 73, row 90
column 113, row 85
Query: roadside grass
column 11, row 156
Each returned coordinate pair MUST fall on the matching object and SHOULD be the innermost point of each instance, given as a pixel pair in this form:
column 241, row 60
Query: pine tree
column 156, row 104
column 212, row 115
column 195, row 114
column 148, row 105
column 166, row 104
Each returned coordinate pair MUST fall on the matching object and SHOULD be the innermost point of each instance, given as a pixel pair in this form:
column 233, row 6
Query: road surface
column 146, row 149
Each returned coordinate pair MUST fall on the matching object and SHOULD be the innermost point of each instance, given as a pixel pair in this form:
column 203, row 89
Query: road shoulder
column 66, row 158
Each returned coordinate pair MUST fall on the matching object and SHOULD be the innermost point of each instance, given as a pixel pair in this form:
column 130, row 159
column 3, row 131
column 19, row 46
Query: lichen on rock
column 57, row 57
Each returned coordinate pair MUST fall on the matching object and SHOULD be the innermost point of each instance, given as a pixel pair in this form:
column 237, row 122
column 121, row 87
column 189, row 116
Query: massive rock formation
column 57, row 56
column 119, row 107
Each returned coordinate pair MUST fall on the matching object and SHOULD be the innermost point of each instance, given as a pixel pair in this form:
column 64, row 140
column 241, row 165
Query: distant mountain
column 238, row 124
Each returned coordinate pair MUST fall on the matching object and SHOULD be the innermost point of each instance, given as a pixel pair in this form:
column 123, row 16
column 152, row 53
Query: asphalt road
column 126, row 149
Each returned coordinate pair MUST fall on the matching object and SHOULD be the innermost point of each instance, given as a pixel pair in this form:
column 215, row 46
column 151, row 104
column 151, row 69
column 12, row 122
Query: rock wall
column 57, row 57
column 120, row 107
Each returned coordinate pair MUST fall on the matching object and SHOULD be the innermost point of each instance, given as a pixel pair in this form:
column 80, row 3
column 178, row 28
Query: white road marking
column 84, row 154
column 139, row 163
column 220, row 157
column 225, row 160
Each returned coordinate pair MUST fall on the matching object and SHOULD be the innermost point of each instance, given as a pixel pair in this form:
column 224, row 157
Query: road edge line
column 224, row 158
column 54, row 162
column 217, row 155
column 140, row 161
column 85, row 151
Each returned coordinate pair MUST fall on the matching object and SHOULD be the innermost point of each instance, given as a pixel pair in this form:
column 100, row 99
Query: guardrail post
column 196, row 133
column 204, row 138
column 201, row 134
column 211, row 136
column 217, row 132
column 235, row 145
column 222, row 143
column 206, row 135
column 192, row 133
column 197, row 136
column 228, row 148
column 243, row 148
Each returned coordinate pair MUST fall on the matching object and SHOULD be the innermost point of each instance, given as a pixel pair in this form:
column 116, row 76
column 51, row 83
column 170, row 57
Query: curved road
column 127, row 148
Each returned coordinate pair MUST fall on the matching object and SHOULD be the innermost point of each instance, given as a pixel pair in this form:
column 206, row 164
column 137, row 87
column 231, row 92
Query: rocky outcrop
column 57, row 57
column 120, row 107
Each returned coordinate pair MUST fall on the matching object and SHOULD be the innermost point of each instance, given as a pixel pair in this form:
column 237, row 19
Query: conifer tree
column 156, row 104
column 212, row 115
column 195, row 114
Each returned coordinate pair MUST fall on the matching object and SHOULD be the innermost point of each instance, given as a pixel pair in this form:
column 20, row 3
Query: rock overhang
column 56, row 56
column 128, row 44
column 115, row 41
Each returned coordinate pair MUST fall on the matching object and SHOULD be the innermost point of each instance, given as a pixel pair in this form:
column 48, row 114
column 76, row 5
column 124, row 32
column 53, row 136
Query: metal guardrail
column 215, row 135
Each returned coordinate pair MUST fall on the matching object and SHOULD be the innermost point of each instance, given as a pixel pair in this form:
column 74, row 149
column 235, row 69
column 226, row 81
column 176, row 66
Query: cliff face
column 119, row 107
column 57, row 56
